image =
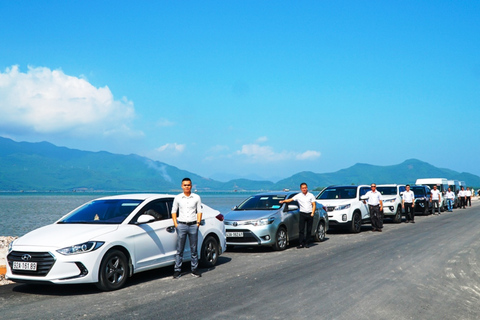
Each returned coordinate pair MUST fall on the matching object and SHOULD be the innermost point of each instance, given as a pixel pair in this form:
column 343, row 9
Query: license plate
column 20, row 265
column 234, row 234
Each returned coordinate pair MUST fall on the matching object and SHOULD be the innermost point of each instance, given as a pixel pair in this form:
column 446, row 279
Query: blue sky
column 256, row 89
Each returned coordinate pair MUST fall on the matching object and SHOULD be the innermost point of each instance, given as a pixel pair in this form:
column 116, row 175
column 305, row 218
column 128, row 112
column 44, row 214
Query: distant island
column 42, row 166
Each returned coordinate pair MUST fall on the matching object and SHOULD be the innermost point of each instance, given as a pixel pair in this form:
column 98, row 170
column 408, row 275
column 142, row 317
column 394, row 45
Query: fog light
column 267, row 238
column 391, row 208
column 344, row 217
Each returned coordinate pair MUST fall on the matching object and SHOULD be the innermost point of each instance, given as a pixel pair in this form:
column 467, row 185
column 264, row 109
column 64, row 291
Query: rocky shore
column 4, row 242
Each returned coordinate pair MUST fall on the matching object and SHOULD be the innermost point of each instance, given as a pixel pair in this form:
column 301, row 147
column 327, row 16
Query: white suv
column 392, row 200
column 344, row 207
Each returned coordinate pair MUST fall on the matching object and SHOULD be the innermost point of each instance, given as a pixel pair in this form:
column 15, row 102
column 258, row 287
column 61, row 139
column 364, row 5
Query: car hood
column 335, row 202
column 62, row 235
column 249, row 214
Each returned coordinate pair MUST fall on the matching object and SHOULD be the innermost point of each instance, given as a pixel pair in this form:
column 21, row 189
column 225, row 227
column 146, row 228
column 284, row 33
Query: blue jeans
column 450, row 204
column 182, row 231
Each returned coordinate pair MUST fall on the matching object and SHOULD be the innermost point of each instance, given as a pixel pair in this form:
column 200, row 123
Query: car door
column 364, row 206
column 156, row 241
column 291, row 218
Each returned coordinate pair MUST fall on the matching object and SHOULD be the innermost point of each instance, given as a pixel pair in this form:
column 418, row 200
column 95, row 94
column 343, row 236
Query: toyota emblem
column 26, row 257
column 235, row 224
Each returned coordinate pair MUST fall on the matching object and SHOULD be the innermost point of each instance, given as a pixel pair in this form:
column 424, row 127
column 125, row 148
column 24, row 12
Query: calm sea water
column 23, row 212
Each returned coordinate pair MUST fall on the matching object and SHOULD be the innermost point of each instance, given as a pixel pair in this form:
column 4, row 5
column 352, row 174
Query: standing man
column 468, row 197
column 461, row 195
column 186, row 216
column 408, row 204
column 435, row 199
column 450, row 195
column 375, row 206
column 307, row 204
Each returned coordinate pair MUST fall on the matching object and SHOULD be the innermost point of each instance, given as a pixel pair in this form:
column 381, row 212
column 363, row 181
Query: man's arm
column 381, row 205
column 174, row 212
column 286, row 200
column 314, row 207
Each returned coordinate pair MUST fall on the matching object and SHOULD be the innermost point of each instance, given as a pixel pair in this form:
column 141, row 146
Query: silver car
column 261, row 220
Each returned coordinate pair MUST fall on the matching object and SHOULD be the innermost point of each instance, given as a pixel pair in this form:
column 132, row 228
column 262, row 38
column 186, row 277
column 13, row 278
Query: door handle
column 171, row 229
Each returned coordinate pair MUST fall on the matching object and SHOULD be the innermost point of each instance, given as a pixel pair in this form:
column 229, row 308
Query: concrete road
column 426, row 270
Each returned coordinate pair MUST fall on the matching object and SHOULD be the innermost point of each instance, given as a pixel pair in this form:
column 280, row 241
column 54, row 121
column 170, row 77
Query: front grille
column 44, row 260
column 248, row 236
column 330, row 209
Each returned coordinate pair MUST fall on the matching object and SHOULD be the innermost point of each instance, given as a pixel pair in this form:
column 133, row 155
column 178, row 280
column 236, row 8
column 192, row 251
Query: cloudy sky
column 246, row 88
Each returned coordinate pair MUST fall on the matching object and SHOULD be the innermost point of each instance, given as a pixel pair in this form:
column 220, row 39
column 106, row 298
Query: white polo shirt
column 408, row 196
column 435, row 194
column 450, row 195
column 468, row 193
column 374, row 198
column 187, row 208
column 461, row 193
column 305, row 201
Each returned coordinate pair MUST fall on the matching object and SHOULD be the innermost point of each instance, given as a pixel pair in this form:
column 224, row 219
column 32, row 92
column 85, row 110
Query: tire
column 320, row 232
column 356, row 223
column 210, row 252
column 113, row 271
column 280, row 239
column 398, row 215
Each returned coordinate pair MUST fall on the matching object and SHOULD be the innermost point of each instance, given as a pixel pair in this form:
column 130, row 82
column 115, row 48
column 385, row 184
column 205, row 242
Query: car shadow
column 87, row 289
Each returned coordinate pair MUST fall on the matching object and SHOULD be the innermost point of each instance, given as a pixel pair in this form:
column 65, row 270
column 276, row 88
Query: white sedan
column 109, row 239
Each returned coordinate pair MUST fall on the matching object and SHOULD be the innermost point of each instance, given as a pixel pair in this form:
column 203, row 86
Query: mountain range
column 42, row 166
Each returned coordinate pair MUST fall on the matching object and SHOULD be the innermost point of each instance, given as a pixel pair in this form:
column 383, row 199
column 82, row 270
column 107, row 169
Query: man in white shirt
column 375, row 206
column 408, row 204
column 450, row 196
column 468, row 196
column 307, row 204
column 186, row 216
column 461, row 196
column 435, row 199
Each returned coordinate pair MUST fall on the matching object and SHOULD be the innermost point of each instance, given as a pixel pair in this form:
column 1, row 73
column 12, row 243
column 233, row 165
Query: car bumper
column 250, row 235
column 53, row 267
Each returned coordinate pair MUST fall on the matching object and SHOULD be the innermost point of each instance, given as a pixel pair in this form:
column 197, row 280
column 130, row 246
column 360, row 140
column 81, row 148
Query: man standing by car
column 307, row 204
column 408, row 204
column 468, row 197
column 375, row 206
column 435, row 199
column 186, row 216
column 450, row 196
column 461, row 196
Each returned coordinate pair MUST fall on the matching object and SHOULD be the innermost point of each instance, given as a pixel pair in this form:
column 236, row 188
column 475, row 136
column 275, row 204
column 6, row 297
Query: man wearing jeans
column 435, row 199
column 375, row 207
column 450, row 196
column 186, row 216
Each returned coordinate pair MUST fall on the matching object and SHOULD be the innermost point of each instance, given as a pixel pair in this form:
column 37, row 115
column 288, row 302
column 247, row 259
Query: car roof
column 389, row 185
column 136, row 196
column 276, row 193
column 348, row 185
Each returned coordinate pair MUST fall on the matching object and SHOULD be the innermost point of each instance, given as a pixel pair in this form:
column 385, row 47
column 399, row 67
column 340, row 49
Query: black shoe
column 412, row 221
column 407, row 221
column 195, row 273
column 307, row 246
column 300, row 246
column 176, row 275
column 379, row 230
column 374, row 229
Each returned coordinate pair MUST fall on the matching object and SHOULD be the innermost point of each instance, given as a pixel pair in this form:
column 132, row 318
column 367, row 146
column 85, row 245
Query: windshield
column 418, row 191
column 338, row 193
column 262, row 202
column 387, row 191
column 102, row 212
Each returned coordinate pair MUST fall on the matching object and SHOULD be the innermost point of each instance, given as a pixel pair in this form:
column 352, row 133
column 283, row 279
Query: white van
column 442, row 185
column 455, row 186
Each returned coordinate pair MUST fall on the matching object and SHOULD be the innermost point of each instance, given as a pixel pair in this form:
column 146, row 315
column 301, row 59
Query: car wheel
column 356, row 224
column 113, row 271
column 280, row 239
column 398, row 215
column 209, row 253
column 320, row 232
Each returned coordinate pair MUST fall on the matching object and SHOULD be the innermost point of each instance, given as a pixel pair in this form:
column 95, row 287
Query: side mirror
column 364, row 197
column 292, row 207
column 145, row 218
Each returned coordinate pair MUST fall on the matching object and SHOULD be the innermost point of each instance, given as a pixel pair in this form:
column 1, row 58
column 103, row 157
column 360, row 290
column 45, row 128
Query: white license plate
column 234, row 234
column 20, row 265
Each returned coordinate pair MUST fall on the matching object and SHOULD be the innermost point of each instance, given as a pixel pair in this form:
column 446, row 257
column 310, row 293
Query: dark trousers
column 376, row 217
column 183, row 231
column 435, row 206
column 469, row 201
column 409, row 212
column 463, row 202
column 305, row 219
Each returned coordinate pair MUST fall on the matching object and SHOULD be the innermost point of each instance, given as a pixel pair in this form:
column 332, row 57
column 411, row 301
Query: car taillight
column 220, row 217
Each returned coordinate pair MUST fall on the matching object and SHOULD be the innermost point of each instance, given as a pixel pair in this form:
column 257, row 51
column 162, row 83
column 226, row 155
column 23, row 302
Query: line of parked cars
column 109, row 239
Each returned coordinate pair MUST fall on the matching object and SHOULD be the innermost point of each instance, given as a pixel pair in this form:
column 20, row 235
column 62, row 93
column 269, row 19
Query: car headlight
column 389, row 201
column 81, row 248
column 10, row 246
column 261, row 222
column 420, row 199
column 343, row 207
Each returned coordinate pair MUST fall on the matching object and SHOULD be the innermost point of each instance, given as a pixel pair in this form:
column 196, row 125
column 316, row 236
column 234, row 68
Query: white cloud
column 165, row 123
column 262, row 139
column 308, row 155
column 171, row 147
column 45, row 101
column 258, row 153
